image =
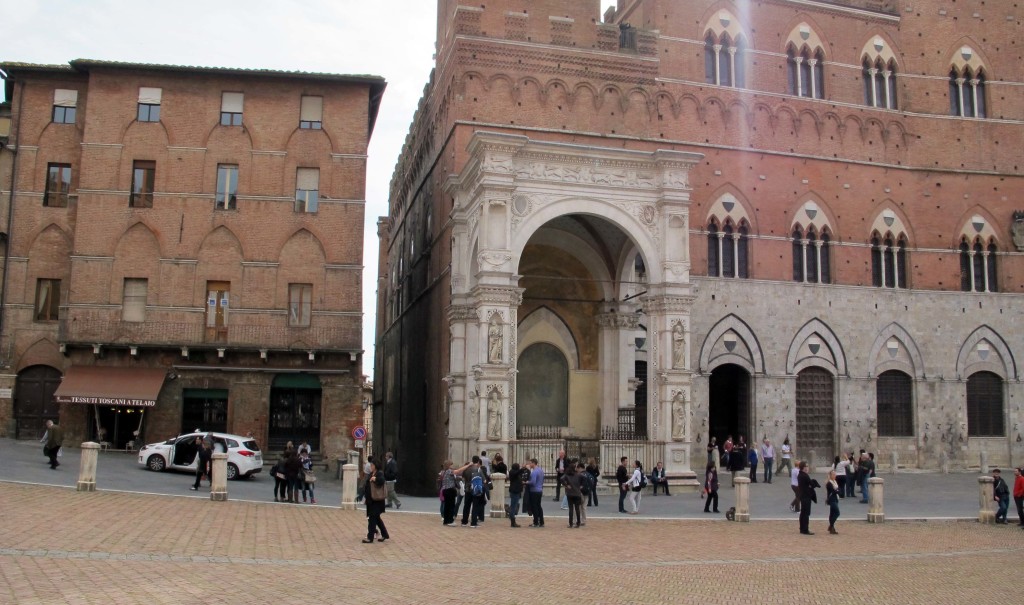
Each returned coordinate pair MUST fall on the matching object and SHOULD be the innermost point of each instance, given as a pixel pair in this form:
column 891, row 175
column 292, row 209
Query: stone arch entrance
column 33, row 400
column 539, row 224
column 729, row 403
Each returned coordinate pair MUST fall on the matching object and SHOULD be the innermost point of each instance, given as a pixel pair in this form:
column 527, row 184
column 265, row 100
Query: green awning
column 205, row 393
column 296, row 381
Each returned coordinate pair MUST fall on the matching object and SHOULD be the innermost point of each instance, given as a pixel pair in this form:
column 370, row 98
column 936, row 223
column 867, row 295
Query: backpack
column 643, row 480
column 585, row 484
column 477, row 484
column 524, row 475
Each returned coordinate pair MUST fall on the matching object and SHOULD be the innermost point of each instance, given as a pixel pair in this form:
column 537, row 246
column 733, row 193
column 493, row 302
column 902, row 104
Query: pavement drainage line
column 207, row 559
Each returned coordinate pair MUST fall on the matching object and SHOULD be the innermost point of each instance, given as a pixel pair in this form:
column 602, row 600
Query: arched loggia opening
column 577, row 266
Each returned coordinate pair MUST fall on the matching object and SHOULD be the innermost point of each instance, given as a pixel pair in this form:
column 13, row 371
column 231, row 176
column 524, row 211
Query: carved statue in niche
column 678, row 416
column 678, row 346
column 495, row 341
column 474, row 419
column 494, row 415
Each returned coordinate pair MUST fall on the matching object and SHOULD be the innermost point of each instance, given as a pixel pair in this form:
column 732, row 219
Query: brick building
column 629, row 233
column 184, row 249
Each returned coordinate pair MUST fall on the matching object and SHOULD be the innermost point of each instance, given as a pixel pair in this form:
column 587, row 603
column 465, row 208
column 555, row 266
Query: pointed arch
column 1007, row 369
column 731, row 323
column 890, row 218
column 221, row 233
column 812, row 211
column 895, row 330
column 43, row 351
column 563, row 338
column 968, row 225
column 819, row 327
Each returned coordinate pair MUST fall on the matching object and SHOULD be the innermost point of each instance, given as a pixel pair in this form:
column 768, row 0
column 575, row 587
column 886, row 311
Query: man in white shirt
column 768, row 456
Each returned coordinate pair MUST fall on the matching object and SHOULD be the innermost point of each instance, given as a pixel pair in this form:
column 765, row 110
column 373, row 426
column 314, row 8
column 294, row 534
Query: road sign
column 359, row 444
column 359, row 432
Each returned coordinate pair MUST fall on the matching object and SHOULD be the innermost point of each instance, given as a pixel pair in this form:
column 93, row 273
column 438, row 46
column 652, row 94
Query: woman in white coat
column 635, row 485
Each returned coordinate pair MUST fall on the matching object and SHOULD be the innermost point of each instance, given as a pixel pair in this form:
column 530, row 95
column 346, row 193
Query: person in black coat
column 292, row 475
column 806, row 487
column 374, row 508
column 203, row 457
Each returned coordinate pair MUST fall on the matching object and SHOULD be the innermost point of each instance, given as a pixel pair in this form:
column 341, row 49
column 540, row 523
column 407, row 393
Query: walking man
column 768, row 458
column 54, row 439
column 536, row 488
column 390, row 478
column 621, row 477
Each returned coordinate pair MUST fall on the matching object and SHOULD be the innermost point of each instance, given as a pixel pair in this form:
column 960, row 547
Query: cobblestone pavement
column 60, row 546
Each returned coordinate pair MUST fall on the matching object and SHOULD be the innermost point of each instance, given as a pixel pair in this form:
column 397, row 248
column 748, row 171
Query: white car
column 179, row 453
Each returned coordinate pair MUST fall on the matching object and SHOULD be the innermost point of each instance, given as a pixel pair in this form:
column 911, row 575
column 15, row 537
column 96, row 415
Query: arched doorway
column 294, row 411
column 815, row 413
column 33, row 400
column 543, row 387
column 729, row 403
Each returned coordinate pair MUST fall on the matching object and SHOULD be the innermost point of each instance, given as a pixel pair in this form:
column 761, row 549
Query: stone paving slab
column 61, row 546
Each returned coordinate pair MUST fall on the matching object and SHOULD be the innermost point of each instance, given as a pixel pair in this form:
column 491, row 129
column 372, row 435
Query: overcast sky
column 392, row 39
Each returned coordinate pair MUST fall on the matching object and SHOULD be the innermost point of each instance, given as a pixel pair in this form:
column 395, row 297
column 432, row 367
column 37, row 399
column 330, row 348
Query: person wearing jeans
column 1001, row 493
column 1018, row 493
column 768, row 456
column 621, row 477
column 515, row 492
column 536, row 488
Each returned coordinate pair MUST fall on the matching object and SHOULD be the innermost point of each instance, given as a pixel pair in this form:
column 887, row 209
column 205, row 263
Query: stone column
column 742, row 499
column 219, row 478
column 987, row 505
column 876, row 502
column 984, row 462
column 498, row 495
column 87, row 469
column 349, row 479
column 894, row 461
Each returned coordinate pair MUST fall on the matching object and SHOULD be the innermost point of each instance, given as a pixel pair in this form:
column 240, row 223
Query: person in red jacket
column 1018, row 493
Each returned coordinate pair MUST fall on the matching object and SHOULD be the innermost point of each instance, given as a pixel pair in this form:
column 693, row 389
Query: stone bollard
column 742, row 499
column 944, row 463
column 219, row 477
column 987, row 510
column 87, row 470
column 349, row 479
column 498, row 495
column 984, row 462
column 876, row 500
column 810, row 461
column 894, row 462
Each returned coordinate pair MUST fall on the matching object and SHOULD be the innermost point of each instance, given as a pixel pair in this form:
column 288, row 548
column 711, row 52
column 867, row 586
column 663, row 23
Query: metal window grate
column 985, row 405
column 894, row 400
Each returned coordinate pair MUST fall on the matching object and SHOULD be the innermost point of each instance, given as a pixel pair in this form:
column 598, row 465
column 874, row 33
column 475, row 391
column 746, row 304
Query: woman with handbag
column 308, row 477
column 280, row 483
column 636, row 486
column 376, row 493
column 448, row 485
